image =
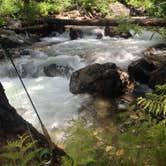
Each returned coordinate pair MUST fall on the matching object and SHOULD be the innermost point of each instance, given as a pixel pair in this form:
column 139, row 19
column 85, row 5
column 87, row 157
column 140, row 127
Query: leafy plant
column 80, row 145
column 93, row 5
column 29, row 11
column 155, row 8
column 21, row 152
column 154, row 102
column 85, row 147
column 2, row 22
column 9, row 7
column 53, row 6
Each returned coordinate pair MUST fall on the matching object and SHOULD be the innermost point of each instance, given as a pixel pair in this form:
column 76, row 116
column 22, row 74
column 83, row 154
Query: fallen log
column 108, row 22
column 33, row 29
column 48, row 24
column 44, row 29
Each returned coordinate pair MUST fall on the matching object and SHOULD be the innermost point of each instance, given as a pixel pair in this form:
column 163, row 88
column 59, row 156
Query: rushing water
column 56, row 105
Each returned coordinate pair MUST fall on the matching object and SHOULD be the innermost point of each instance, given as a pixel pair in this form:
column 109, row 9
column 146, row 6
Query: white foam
column 51, row 96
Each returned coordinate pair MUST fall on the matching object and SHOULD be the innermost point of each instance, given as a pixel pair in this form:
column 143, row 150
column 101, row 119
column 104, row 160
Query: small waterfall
column 146, row 35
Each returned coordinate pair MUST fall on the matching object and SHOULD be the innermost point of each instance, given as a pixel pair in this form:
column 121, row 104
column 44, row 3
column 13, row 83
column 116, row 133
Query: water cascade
column 56, row 105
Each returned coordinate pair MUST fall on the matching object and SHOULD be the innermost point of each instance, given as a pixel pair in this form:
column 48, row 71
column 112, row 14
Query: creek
column 53, row 100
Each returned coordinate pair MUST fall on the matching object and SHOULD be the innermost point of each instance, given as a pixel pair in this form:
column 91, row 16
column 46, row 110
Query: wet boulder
column 141, row 90
column 158, row 76
column 140, row 70
column 75, row 34
column 110, row 31
column 10, row 39
column 158, row 50
column 54, row 70
column 102, row 79
column 99, row 35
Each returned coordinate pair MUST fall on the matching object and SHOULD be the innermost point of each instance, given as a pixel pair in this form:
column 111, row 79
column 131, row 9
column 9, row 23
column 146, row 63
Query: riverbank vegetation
column 142, row 141
column 29, row 10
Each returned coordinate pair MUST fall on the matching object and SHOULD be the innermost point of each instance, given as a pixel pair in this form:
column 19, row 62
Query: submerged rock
column 141, row 69
column 54, row 70
column 103, row 79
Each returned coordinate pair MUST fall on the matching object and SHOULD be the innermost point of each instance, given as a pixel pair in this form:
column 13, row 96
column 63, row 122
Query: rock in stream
column 103, row 79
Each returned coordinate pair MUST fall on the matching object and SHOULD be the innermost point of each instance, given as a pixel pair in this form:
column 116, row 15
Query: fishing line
column 45, row 132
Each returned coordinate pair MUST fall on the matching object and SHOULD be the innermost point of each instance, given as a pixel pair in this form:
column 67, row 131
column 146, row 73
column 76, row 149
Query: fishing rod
column 45, row 132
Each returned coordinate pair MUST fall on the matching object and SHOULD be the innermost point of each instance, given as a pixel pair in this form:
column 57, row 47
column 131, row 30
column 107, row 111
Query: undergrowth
column 155, row 8
column 22, row 152
column 142, row 144
column 19, row 9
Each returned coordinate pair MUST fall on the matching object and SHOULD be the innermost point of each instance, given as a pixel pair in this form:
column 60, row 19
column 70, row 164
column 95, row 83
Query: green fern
column 154, row 102
column 21, row 152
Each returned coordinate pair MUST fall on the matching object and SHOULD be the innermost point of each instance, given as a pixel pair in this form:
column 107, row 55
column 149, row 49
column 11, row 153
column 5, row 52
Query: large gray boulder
column 140, row 70
column 103, row 79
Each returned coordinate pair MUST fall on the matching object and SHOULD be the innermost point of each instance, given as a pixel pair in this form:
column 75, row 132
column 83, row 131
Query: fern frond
column 12, row 144
column 21, row 151
column 154, row 102
column 24, row 138
column 28, row 146
column 10, row 155
column 160, row 89
column 30, row 156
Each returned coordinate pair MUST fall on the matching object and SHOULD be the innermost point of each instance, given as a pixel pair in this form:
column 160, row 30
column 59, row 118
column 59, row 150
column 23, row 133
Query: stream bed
column 53, row 100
